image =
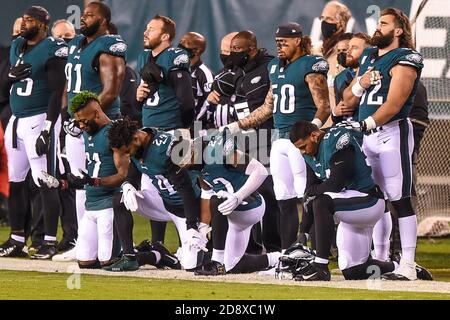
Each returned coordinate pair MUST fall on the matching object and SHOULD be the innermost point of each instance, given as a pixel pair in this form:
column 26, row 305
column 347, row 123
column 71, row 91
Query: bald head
column 194, row 40
column 226, row 43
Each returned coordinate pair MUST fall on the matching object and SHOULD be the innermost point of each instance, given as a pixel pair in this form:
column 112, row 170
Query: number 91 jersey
column 31, row 96
column 375, row 96
column 292, row 98
column 82, row 69
column 100, row 163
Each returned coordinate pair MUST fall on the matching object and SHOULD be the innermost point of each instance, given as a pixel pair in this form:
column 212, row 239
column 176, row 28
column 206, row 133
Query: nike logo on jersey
column 336, row 134
column 177, row 50
column 338, row 163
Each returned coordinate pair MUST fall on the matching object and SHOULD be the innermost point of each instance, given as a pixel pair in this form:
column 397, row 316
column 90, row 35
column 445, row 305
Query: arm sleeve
column 181, row 81
column 342, row 165
column 56, row 81
column 133, row 175
column 257, row 174
column 180, row 179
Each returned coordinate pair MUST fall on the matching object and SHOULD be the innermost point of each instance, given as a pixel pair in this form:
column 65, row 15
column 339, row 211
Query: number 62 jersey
column 375, row 96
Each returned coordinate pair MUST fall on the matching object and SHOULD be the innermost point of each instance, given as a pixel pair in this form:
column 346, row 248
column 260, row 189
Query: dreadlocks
column 122, row 132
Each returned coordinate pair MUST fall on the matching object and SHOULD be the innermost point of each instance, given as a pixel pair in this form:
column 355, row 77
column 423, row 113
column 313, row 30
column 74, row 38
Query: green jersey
column 162, row 110
column 31, row 95
column 292, row 98
column 100, row 163
column 82, row 69
column 376, row 95
column 337, row 139
column 156, row 164
column 222, row 176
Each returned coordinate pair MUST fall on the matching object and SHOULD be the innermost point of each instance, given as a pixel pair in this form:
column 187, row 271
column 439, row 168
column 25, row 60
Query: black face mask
column 328, row 29
column 67, row 40
column 91, row 30
column 239, row 59
column 342, row 59
column 226, row 61
column 188, row 50
column 30, row 33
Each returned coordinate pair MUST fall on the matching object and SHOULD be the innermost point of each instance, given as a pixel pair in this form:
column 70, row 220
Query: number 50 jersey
column 82, row 69
column 292, row 100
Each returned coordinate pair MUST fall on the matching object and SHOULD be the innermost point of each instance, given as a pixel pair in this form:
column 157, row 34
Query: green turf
column 35, row 285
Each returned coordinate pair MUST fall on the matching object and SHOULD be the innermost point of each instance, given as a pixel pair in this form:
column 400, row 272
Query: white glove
column 233, row 127
column 205, row 230
column 129, row 194
column 196, row 240
column 227, row 207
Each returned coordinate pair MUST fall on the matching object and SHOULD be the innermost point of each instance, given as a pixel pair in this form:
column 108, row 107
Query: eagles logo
column 343, row 141
column 182, row 58
column 414, row 57
column 118, row 47
column 320, row 66
column 62, row 52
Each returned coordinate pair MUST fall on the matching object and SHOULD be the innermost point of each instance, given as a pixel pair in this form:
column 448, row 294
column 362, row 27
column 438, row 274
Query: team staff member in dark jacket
column 251, row 86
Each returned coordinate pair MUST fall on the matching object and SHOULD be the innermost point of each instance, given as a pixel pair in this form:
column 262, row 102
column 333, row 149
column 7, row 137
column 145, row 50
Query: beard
column 351, row 63
column 91, row 30
column 30, row 33
column 152, row 44
column 92, row 127
column 382, row 41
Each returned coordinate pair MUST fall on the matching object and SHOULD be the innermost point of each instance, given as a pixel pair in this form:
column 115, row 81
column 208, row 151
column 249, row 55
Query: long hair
column 401, row 21
column 306, row 45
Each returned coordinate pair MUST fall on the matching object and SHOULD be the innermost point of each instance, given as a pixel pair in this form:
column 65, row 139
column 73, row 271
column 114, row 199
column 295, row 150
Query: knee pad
column 403, row 207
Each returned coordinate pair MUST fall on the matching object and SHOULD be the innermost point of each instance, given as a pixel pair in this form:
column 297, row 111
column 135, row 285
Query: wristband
column 317, row 122
column 370, row 123
column 47, row 125
column 357, row 89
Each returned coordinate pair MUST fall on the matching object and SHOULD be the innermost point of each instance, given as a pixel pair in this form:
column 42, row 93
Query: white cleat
column 67, row 256
column 405, row 272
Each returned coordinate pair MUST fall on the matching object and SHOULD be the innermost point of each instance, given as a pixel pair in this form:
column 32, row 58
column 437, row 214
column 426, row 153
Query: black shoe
column 423, row 274
column 313, row 273
column 12, row 248
column 213, row 268
column 46, row 251
column 167, row 259
column 144, row 246
column 65, row 245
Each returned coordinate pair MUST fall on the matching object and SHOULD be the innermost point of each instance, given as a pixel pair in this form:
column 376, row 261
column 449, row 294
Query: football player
column 177, row 198
column 384, row 89
column 298, row 91
column 37, row 71
column 230, row 182
column 96, row 63
column 165, row 88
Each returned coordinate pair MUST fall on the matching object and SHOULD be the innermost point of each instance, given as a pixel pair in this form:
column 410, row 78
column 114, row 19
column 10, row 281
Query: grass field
column 432, row 253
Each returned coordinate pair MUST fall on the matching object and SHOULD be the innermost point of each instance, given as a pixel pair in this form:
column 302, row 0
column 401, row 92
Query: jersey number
column 153, row 100
column 28, row 88
column 370, row 98
column 164, row 184
column 97, row 163
column 68, row 70
column 287, row 101
column 227, row 184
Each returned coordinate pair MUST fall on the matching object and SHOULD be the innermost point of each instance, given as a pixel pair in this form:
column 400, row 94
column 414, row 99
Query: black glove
column 43, row 143
column 153, row 75
column 79, row 182
column 19, row 72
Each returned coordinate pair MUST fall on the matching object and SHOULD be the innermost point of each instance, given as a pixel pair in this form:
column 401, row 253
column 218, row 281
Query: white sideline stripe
column 151, row 272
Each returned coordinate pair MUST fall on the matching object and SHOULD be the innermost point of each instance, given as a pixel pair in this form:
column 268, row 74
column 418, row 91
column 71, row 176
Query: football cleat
column 45, row 251
column 405, row 272
column 122, row 265
column 293, row 260
column 313, row 273
column 167, row 259
column 144, row 246
column 67, row 256
column 423, row 274
column 13, row 249
column 213, row 268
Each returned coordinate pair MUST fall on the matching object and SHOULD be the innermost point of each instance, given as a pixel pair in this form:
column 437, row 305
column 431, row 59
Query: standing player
column 165, row 89
column 96, row 63
column 298, row 91
column 177, row 197
column 385, row 89
column 37, row 73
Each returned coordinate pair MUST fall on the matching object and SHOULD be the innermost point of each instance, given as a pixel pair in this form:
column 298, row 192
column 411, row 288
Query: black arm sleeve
column 129, row 106
column 56, row 82
column 134, row 175
column 341, row 168
column 181, row 82
column 182, row 183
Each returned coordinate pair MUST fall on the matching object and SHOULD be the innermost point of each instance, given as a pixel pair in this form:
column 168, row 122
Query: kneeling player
column 341, row 188
column 230, row 181
column 167, row 193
